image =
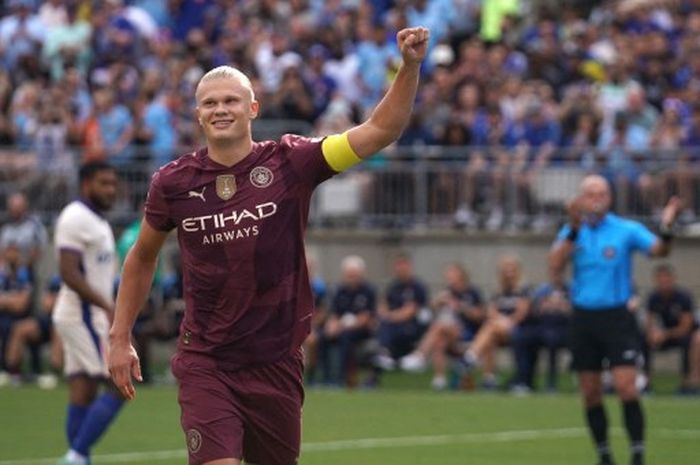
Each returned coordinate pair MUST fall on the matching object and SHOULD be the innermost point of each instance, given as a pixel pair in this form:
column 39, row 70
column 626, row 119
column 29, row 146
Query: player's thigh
column 210, row 415
column 586, row 350
column 84, row 348
column 273, row 397
column 621, row 339
column 624, row 380
column 591, row 385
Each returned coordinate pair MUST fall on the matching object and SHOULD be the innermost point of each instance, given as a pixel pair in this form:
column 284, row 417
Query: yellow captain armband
column 338, row 153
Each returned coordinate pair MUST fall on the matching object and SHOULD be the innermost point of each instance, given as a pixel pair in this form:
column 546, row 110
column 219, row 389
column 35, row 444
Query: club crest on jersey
column 261, row 176
column 194, row 440
column 225, row 186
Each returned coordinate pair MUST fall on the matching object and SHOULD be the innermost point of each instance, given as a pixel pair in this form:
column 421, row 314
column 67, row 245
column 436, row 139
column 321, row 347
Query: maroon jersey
column 241, row 235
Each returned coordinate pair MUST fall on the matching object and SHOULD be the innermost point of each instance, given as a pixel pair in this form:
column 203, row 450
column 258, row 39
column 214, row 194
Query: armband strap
column 573, row 235
column 338, row 153
column 665, row 233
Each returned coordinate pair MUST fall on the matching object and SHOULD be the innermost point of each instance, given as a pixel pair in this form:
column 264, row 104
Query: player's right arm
column 137, row 276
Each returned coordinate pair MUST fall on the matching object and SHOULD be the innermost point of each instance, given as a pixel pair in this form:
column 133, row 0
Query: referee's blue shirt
column 602, row 261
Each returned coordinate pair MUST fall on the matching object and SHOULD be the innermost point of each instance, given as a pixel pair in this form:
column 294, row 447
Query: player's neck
column 229, row 153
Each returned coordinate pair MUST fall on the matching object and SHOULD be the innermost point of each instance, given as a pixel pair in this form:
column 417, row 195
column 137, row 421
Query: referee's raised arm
column 662, row 246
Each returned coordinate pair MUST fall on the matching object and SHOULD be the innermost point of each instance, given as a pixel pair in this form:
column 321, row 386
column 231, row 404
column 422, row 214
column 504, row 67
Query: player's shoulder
column 74, row 211
column 625, row 223
column 179, row 169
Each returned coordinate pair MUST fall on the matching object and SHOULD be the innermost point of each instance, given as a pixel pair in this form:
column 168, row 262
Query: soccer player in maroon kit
column 240, row 208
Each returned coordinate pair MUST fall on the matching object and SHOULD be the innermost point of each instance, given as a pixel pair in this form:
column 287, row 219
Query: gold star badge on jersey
column 225, row 186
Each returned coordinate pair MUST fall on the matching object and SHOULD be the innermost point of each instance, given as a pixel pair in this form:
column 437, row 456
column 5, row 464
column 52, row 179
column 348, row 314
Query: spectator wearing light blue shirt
column 600, row 246
column 116, row 127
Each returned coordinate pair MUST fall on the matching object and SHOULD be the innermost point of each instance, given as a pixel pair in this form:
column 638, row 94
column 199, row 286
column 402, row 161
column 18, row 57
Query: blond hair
column 227, row 72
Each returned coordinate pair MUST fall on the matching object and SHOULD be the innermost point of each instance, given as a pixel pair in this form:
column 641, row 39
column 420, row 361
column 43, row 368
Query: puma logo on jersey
column 198, row 194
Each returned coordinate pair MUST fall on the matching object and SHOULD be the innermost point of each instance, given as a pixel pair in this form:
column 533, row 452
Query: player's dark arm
column 137, row 277
column 682, row 329
column 69, row 266
column 473, row 312
column 364, row 320
column 391, row 116
column 408, row 311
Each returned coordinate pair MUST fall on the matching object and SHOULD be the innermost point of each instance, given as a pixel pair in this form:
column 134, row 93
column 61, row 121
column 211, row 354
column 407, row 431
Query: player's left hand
column 671, row 211
column 413, row 44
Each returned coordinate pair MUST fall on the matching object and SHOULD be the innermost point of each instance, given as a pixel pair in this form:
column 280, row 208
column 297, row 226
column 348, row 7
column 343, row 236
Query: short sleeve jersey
column 82, row 230
column 602, row 261
column 241, row 236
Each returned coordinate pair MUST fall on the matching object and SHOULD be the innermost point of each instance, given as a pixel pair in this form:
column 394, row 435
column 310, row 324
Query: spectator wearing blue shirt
column 551, row 310
column 459, row 313
column 374, row 54
column 115, row 126
column 671, row 324
column 350, row 322
column 508, row 310
column 600, row 246
column 406, row 297
column 15, row 295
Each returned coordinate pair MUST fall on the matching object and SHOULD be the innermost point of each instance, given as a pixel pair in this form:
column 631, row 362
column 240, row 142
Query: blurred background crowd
column 518, row 97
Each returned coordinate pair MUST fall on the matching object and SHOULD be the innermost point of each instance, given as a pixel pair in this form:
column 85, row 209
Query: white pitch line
column 377, row 443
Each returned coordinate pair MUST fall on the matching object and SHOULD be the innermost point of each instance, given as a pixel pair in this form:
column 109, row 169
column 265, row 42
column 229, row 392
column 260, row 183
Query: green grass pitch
column 384, row 427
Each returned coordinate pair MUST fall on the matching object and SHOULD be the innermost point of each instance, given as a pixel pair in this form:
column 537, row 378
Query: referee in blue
column 600, row 245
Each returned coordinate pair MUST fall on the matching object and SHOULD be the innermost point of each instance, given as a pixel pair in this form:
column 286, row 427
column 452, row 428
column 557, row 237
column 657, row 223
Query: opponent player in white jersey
column 87, row 261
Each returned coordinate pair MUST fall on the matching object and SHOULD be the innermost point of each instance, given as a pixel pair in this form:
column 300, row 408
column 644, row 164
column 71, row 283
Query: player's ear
column 197, row 116
column 254, row 109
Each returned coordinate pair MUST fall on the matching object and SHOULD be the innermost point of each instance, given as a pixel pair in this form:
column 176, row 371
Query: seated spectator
column 32, row 333
column 671, row 325
column 24, row 231
column 546, row 328
column 350, row 322
column 458, row 316
column 401, row 317
column 15, row 296
column 507, row 310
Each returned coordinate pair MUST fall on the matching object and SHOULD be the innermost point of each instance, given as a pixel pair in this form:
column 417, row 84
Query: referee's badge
column 225, row 186
column 609, row 252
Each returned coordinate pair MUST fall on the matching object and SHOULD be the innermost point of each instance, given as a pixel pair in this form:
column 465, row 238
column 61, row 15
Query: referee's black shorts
column 610, row 334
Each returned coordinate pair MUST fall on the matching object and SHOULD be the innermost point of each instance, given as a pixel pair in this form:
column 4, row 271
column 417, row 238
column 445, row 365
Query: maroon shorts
column 252, row 414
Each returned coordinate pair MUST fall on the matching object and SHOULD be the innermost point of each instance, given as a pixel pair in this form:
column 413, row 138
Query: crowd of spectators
column 357, row 328
column 610, row 86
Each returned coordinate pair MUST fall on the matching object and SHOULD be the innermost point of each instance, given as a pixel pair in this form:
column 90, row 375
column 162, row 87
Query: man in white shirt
column 87, row 263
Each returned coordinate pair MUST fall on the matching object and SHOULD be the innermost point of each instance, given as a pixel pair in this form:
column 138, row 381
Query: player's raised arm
column 393, row 112
column 137, row 276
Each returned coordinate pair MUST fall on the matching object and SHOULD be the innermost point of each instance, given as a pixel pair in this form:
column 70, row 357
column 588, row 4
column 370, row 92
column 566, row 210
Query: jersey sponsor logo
column 261, row 176
column 629, row 354
column 224, row 220
column 199, row 195
column 225, row 186
column 194, row 440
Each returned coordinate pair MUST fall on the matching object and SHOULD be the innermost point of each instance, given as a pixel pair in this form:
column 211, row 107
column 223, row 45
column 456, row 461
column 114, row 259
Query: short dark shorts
column 252, row 414
column 604, row 334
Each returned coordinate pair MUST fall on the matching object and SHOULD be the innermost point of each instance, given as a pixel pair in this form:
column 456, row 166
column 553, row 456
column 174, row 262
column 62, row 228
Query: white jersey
column 85, row 232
